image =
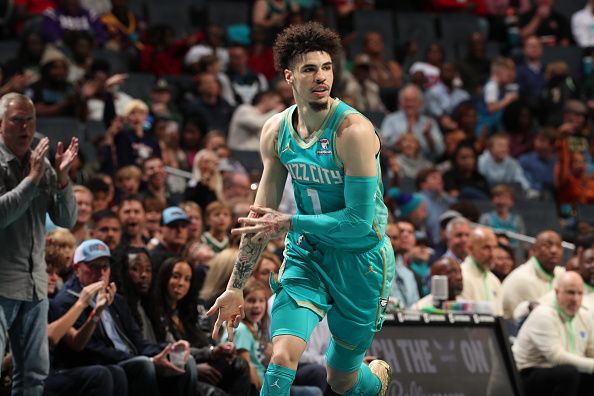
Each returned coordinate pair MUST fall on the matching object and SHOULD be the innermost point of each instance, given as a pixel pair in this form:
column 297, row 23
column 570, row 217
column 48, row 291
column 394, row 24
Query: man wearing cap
column 118, row 340
column 29, row 188
column 480, row 284
column 535, row 277
column 174, row 235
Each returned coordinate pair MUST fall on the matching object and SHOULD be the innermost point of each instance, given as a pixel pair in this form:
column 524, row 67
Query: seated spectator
column 503, row 261
column 550, row 26
column 136, row 284
column 217, row 277
column 268, row 265
column 457, row 233
column 498, row 167
column 385, row 73
column 218, row 222
column 196, row 226
column 236, row 186
column 123, row 28
column 84, row 210
column 427, row 72
column 29, row 10
column 88, row 380
column 127, row 180
column 192, row 131
column 464, row 181
column 445, row 266
column 174, row 235
column 245, row 83
column 132, row 217
column 443, row 97
column 209, row 103
column 272, row 15
column 162, row 54
column 68, row 17
column 572, row 184
column 207, row 183
column 429, row 183
column 248, row 119
column 80, row 56
column 498, row 93
column 101, row 191
column 530, row 74
column 539, row 163
column 362, row 88
column 410, row 159
column 560, row 89
column 120, row 343
column 100, row 96
column 583, row 264
column 175, row 317
column 581, row 26
column 155, row 180
column 64, row 243
column 52, row 94
column 152, row 220
column 578, row 130
column 475, row 67
column 251, row 337
column 521, row 126
column 466, row 117
column 537, row 276
column 480, row 284
column 404, row 291
column 26, row 65
column 552, row 360
column 411, row 120
column 161, row 103
column 501, row 218
column 107, row 228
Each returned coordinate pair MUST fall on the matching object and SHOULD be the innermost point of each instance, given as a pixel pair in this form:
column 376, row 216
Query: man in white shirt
column 449, row 267
column 581, row 26
column 480, row 284
column 554, row 350
column 536, row 276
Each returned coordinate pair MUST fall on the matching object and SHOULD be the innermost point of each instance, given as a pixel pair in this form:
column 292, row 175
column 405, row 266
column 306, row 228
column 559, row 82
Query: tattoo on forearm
column 249, row 252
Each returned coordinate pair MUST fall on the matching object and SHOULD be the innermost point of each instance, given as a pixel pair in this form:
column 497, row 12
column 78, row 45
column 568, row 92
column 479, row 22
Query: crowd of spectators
column 467, row 137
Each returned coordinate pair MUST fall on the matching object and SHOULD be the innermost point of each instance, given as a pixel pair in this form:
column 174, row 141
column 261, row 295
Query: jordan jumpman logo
column 275, row 384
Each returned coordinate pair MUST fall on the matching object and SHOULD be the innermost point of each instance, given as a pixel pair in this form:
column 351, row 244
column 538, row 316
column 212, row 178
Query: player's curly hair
column 297, row 40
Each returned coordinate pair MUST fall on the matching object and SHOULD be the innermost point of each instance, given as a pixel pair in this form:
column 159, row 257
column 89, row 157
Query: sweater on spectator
column 581, row 27
column 395, row 125
column 550, row 337
column 528, row 283
column 570, row 189
column 481, row 285
column 538, row 171
column 506, row 172
column 57, row 22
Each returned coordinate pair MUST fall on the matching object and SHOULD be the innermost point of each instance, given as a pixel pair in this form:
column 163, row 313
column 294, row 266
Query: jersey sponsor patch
column 325, row 144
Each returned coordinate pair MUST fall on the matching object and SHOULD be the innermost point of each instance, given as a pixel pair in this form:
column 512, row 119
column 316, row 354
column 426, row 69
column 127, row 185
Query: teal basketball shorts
column 350, row 287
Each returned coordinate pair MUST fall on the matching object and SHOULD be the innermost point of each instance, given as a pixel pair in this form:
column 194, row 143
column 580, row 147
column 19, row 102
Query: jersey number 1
column 315, row 200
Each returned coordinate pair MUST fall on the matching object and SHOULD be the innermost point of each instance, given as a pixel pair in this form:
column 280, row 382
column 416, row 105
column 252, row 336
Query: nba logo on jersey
column 325, row 143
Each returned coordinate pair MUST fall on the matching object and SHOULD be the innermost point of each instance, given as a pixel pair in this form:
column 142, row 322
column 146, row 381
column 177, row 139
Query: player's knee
column 341, row 382
column 283, row 357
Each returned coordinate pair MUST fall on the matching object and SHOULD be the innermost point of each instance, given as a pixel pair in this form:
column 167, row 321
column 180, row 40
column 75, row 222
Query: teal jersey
column 318, row 175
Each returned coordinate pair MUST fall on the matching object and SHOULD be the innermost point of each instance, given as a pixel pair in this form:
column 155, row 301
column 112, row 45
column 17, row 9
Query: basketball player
column 338, row 261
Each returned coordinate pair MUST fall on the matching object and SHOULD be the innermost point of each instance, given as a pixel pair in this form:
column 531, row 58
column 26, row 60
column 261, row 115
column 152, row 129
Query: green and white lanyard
column 543, row 272
column 569, row 325
column 484, row 275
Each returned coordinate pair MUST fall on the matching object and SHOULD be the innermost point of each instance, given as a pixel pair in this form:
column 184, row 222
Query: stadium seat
column 93, row 129
column 376, row 118
column 181, row 83
column 139, row 85
column 455, row 29
column 373, row 21
column 570, row 55
column 178, row 16
column 250, row 160
column 538, row 215
column 59, row 129
column 585, row 213
column 8, row 49
column 118, row 60
column 226, row 13
column 420, row 27
column 568, row 7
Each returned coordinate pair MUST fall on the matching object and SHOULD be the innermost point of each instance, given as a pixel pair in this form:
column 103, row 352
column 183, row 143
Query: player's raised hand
column 230, row 308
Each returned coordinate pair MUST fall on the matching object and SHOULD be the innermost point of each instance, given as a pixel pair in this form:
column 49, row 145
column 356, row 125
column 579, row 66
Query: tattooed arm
column 230, row 304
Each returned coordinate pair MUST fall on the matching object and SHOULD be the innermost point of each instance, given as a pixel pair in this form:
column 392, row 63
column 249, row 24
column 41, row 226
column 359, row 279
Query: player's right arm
column 269, row 194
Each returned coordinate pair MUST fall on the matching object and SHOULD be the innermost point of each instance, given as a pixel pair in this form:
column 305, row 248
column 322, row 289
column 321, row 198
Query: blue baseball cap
column 173, row 214
column 90, row 250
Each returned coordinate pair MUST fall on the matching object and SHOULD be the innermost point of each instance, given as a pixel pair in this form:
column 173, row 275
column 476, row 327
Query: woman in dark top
column 175, row 317
column 463, row 180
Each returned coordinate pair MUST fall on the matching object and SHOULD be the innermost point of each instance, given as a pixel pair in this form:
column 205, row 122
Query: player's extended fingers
column 254, row 220
column 250, row 229
column 261, row 209
column 230, row 330
column 216, row 329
